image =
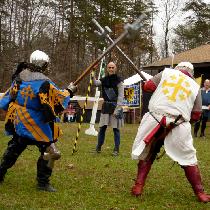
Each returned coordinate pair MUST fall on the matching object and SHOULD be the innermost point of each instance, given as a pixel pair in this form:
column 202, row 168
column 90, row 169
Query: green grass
column 101, row 181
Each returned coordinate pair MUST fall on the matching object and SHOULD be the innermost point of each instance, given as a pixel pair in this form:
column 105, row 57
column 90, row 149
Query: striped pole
column 83, row 113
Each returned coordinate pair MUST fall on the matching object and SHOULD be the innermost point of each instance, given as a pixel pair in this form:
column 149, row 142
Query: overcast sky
column 158, row 29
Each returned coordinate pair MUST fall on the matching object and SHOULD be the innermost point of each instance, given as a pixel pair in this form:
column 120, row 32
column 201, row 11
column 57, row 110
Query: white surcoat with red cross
column 174, row 95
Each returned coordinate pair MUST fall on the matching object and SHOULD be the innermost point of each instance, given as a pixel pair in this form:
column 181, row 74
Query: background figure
column 69, row 113
column 32, row 103
column 112, row 112
column 205, row 94
column 175, row 102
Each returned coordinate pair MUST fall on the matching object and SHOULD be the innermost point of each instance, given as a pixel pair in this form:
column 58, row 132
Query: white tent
column 136, row 78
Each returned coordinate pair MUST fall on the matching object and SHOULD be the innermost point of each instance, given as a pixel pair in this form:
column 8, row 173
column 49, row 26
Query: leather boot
column 193, row 175
column 43, row 174
column 143, row 170
column 46, row 187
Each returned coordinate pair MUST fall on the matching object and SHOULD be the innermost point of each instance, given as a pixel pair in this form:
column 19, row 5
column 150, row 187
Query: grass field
column 101, row 181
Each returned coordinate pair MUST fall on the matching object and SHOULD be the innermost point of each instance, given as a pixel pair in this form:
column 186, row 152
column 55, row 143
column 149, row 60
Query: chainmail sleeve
column 198, row 103
column 120, row 93
column 156, row 79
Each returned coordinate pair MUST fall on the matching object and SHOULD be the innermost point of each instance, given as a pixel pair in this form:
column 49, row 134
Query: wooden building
column 199, row 57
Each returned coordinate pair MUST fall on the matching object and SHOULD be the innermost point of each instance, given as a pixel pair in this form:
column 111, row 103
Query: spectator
column 205, row 94
column 112, row 113
column 70, row 113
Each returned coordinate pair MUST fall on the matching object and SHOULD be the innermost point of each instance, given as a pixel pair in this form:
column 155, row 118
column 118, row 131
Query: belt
column 168, row 115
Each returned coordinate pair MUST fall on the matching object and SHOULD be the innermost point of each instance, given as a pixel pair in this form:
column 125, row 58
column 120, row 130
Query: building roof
column 197, row 55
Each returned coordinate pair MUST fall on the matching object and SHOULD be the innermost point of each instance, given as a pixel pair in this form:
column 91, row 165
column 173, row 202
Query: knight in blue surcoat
column 33, row 103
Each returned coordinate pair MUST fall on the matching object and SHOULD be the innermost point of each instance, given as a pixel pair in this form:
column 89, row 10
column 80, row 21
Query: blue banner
column 132, row 95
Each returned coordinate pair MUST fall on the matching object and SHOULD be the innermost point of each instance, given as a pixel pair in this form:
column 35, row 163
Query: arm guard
column 195, row 116
column 149, row 86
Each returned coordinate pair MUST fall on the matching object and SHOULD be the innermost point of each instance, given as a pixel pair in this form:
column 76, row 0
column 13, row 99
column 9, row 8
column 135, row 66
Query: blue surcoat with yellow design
column 32, row 107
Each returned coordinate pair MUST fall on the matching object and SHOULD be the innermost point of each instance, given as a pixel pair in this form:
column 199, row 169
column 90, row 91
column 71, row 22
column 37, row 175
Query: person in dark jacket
column 112, row 113
column 205, row 94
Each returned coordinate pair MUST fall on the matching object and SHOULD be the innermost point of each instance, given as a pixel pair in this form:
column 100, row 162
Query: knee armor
column 51, row 154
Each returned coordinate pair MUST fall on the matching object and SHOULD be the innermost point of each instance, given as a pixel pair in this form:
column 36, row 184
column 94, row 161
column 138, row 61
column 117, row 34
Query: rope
column 83, row 113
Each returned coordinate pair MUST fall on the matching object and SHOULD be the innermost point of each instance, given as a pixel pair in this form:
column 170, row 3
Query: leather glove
column 72, row 88
column 118, row 112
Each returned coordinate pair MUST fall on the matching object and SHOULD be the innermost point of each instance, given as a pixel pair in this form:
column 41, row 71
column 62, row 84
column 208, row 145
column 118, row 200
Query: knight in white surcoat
column 174, row 105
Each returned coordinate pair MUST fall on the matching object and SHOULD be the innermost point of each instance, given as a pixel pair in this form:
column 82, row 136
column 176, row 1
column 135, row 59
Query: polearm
column 129, row 29
column 104, row 33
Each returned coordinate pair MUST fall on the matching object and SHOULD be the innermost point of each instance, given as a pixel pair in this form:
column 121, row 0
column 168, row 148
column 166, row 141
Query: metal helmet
column 39, row 58
column 186, row 66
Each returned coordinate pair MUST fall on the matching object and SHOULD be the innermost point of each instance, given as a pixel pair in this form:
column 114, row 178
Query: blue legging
column 101, row 137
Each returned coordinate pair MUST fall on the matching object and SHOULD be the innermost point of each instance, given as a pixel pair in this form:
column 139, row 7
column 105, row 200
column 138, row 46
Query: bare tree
column 167, row 13
column 63, row 29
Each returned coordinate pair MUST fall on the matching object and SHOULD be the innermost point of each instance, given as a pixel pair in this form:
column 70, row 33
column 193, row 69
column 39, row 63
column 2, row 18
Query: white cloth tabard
column 178, row 143
column 174, row 95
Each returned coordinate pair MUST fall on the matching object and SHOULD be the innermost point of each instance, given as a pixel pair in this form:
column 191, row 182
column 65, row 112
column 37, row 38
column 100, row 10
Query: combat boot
column 43, row 174
column 115, row 151
column 98, row 149
column 46, row 187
